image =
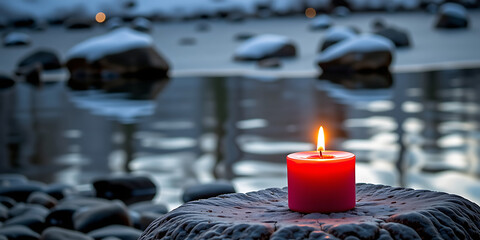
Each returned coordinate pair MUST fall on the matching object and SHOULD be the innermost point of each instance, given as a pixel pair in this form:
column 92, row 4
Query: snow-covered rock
column 335, row 35
column 452, row 15
column 399, row 37
column 16, row 39
column 322, row 21
column 341, row 11
column 142, row 24
column 265, row 46
column 114, row 23
column 364, row 53
column 122, row 51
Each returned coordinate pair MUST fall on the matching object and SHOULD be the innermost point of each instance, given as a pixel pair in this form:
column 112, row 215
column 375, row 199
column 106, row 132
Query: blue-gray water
column 418, row 129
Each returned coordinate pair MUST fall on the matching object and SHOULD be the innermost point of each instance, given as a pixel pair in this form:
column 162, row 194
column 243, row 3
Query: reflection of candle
column 321, row 181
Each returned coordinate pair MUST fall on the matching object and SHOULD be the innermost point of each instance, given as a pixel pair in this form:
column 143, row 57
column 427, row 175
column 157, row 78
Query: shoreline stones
column 122, row 52
column 265, row 46
column 16, row 39
column 363, row 53
column 335, row 35
column 381, row 212
column 452, row 15
column 129, row 189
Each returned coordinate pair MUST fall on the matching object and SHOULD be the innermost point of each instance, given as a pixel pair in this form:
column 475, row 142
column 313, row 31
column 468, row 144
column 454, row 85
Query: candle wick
column 320, row 153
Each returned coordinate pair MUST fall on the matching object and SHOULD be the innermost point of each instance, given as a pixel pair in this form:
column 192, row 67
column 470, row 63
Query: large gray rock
column 381, row 212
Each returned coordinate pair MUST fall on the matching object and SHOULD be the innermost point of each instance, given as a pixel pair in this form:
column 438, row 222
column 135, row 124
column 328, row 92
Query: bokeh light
column 100, row 17
column 310, row 12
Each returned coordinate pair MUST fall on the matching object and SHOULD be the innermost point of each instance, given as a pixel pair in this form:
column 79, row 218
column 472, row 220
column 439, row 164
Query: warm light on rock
column 310, row 12
column 100, row 17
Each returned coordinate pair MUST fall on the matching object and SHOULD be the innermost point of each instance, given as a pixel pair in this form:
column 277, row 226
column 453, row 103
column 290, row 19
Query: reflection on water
column 410, row 129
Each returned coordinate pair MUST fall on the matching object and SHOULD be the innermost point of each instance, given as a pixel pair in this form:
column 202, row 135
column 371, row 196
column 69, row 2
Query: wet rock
column 7, row 202
column 269, row 63
column 265, row 46
column 121, row 232
column 46, row 59
column 149, row 206
column 129, row 189
column 6, row 82
column 42, row 199
column 76, row 22
column 29, row 209
column 19, row 233
column 321, row 22
column 32, row 221
column 381, row 212
column 452, row 15
column 59, row 190
column 123, row 52
column 16, row 39
column 360, row 80
column 335, row 35
column 3, row 213
column 142, row 24
column 187, row 41
column 61, row 217
column 398, row 36
column 56, row 233
column 206, row 190
column 243, row 36
column 82, row 202
column 101, row 216
column 20, row 192
column 22, row 21
column 363, row 53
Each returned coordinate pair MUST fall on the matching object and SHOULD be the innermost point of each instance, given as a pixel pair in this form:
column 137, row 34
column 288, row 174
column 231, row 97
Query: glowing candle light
column 310, row 12
column 321, row 181
column 100, row 17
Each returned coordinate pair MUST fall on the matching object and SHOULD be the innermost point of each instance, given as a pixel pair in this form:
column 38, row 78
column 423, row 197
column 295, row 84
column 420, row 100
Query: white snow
column 321, row 21
column 454, row 10
column 142, row 23
column 339, row 33
column 261, row 45
column 363, row 44
column 16, row 37
column 118, row 40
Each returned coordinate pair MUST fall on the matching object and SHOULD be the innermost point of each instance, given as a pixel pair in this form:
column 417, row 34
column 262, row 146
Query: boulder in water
column 335, row 35
column 265, row 46
column 452, row 15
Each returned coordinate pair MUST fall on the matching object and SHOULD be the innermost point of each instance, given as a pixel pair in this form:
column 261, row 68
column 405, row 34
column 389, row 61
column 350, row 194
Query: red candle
column 321, row 181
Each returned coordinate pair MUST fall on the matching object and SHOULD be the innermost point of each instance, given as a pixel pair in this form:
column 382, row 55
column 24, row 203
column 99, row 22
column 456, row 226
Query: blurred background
column 192, row 107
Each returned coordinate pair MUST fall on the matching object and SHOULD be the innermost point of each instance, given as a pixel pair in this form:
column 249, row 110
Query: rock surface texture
column 382, row 212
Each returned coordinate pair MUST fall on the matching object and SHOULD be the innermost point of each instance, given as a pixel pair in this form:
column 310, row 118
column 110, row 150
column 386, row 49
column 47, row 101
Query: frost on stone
column 265, row 46
column 119, row 40
column 381, row 212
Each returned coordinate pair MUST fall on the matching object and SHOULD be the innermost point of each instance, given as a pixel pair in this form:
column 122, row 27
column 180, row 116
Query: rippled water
column 417, row 130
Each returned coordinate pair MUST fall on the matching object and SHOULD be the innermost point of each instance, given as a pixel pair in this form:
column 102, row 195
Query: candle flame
column 320, row 141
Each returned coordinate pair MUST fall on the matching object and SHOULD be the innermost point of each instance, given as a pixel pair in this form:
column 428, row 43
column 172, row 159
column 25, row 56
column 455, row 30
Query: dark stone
column 30, row 209
column 42, row 199
column 359, row 80
column 81, row 202
column 32, row 221
column 381, row 212
column 46, row 59
column 101, row 216
column 16, row 39
column 187, row 41
column 142, row 63
column 3, row 213
column 269, row 63
column 20, row 192
column 20, row 21
column 78, row 23
column 206, row 190
column 61, row 217
column 56, row 233
column 6, row 82
column 351, row 56
column 149, row 206
column 398, row 36
column 146, row 218
column 19, row 233
column 7, row 202
column 243, row 36
column 12, row 179
column 378, row 24
column 121, row 232
column 129, row 189
column 59, row 190
column 452, row 15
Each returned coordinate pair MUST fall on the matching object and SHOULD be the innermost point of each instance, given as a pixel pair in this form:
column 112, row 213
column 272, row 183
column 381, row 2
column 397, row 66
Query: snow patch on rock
column 259, row 46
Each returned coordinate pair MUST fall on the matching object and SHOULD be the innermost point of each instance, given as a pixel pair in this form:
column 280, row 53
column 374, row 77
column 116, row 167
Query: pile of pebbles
column 115, row 207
